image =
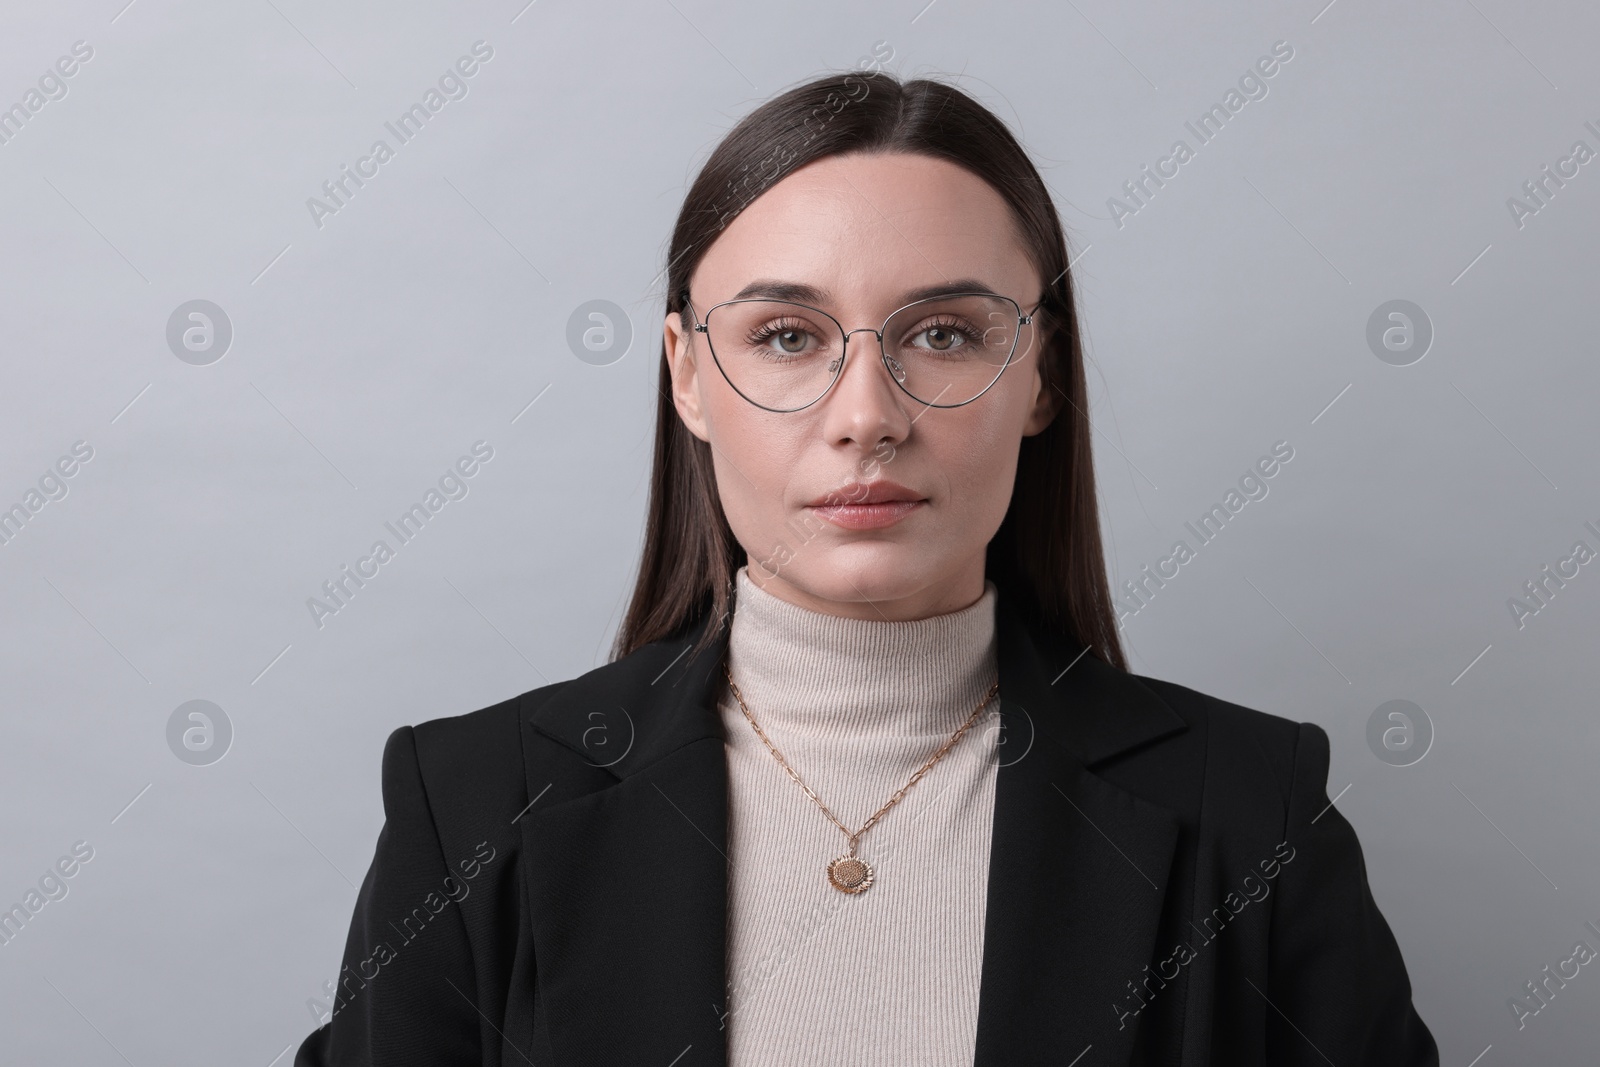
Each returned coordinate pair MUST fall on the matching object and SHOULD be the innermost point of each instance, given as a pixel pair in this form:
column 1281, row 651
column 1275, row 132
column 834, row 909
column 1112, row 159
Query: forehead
column 868, row 228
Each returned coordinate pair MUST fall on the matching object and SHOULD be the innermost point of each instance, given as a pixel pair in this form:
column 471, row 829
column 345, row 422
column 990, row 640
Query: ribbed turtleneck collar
column 807, row 672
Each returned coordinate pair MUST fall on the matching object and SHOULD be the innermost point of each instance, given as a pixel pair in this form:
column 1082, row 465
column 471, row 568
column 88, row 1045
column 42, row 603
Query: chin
column 863, row 571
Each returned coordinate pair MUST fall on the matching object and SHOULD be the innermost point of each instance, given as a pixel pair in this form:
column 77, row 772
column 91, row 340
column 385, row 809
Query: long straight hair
column 1046, row 555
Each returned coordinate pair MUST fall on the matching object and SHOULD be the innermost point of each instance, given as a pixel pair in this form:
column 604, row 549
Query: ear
column 683, row 364
column 1047, row 400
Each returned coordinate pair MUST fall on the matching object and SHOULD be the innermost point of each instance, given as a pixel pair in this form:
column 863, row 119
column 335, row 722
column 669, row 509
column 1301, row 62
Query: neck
column 812, row 672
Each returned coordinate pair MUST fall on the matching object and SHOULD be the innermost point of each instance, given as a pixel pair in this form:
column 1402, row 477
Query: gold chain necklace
column 849, row 873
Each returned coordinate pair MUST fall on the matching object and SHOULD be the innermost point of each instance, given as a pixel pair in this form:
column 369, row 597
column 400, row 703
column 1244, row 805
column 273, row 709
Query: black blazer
column 1168, row 882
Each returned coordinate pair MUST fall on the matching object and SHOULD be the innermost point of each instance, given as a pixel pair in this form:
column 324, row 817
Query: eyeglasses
column 942, row 352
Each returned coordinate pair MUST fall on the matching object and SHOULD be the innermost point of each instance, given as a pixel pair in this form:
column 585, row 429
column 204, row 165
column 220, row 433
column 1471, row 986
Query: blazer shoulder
column 1200, row 709
column 488, row 743
column 474, row 761
column 478, row 761
column 1241, row 742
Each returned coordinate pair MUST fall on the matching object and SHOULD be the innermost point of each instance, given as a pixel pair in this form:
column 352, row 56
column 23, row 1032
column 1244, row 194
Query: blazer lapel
column 1078, row 867
column 625, row 861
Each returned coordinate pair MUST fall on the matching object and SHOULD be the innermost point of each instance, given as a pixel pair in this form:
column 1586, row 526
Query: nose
column 864, row 405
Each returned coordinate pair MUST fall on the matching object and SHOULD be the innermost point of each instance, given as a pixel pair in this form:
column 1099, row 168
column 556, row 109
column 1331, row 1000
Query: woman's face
column 865, row 231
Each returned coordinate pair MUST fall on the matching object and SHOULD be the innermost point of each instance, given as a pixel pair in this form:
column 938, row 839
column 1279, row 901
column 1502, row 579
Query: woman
column 867, row 780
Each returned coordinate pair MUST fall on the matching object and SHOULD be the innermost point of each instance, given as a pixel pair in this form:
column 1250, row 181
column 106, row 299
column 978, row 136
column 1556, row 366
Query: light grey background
column 1227, row 314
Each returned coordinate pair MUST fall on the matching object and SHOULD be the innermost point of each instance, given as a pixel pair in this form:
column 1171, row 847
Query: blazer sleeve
column 1337, row 985
column 405, row 992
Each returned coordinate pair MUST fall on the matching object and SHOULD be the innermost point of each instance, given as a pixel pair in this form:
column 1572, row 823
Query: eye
column 790, row 334
column 945, row 335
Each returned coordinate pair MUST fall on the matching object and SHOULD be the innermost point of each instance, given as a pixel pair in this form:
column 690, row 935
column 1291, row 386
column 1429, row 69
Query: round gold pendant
column 849, row 875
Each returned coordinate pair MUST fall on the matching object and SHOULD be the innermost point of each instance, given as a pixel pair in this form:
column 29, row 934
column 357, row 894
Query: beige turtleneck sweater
column 888, row 977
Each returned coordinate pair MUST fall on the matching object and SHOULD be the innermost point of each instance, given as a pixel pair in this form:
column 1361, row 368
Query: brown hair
column 1046, row 554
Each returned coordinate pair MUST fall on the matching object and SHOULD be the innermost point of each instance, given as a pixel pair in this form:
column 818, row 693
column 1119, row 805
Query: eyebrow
column 800, row 292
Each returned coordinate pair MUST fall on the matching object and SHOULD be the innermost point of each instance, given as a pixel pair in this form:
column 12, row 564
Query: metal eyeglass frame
column 883, row 356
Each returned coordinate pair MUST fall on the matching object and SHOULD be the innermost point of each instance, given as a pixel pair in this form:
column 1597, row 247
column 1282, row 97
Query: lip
column 867, row 506
column 855, row 494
